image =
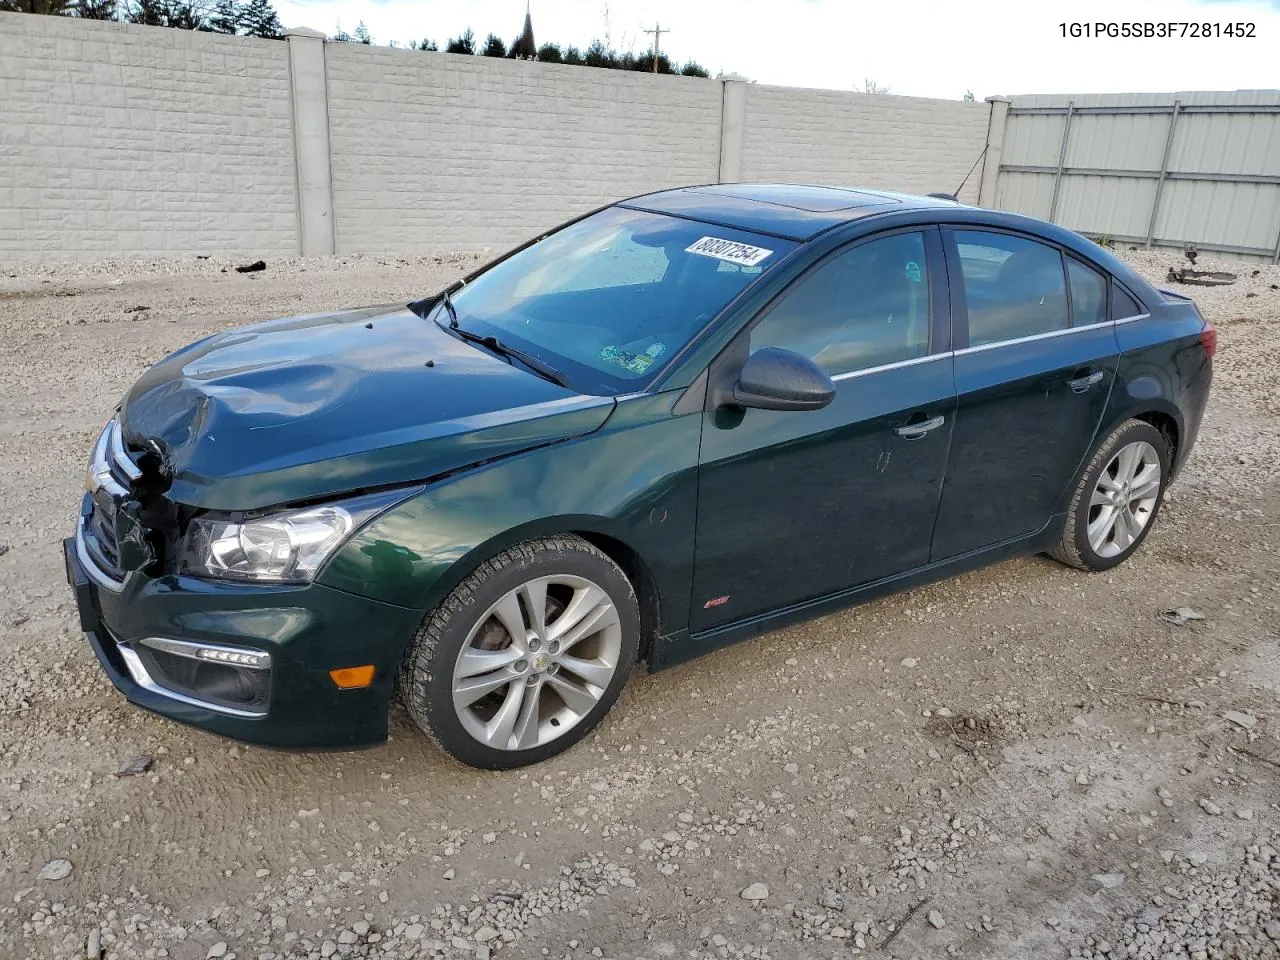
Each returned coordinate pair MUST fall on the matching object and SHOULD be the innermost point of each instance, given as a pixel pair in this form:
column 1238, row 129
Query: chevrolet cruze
column 673, row 423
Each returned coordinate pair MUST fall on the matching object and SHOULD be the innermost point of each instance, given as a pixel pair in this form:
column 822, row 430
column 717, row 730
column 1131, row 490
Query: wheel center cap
column 540, row 662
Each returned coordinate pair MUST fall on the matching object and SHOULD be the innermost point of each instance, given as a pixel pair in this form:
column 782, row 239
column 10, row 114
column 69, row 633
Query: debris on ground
column 1180, row 616
column 254, row 267
column 55, row 870
column 135, row 767
column 1240, row 719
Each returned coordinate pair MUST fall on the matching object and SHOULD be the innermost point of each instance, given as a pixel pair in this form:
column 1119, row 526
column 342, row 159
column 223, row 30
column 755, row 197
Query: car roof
column 793, row 211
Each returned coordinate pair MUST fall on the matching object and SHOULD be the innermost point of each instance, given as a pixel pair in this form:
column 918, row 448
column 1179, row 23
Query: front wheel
column 525, row 656
column 1116, row 498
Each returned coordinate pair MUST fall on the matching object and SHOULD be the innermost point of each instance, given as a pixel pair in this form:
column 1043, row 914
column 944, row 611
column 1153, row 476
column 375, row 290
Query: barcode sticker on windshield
column 729, row 250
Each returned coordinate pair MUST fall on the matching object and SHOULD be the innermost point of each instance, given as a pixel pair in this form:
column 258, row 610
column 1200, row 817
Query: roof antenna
column 956, row 196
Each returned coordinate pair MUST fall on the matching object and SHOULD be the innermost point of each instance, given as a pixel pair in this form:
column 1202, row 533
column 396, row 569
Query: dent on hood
column 314, row 407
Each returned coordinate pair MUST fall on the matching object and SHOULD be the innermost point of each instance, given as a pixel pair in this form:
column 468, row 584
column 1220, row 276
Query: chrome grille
column 110, row 475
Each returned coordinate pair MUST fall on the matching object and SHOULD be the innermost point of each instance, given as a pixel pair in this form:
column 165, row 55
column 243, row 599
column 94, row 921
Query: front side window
column 864, row 307
column 1014, row 287
column 609, row 299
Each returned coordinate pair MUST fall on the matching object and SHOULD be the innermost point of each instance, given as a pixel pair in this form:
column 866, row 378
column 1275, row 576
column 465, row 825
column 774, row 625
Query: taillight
column 1209, row 339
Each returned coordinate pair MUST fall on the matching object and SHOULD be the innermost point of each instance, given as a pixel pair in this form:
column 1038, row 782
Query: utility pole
column 657, row 32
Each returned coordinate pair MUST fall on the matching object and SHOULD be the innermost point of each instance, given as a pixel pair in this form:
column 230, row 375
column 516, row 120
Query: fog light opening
column 352, row 678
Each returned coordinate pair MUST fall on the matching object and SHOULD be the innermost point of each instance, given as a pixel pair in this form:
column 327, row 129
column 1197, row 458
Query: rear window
column 1123, row 305
column 1088, row 294
column 1014, row 287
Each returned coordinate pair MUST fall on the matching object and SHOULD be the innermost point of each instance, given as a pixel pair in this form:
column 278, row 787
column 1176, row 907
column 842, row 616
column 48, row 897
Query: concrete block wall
column 120, row 141
column 908, row 144
column 127, row 141
column 433, row 151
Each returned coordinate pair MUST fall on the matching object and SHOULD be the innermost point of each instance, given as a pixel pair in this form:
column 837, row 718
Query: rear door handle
column 1081, row 384
column 914, row 431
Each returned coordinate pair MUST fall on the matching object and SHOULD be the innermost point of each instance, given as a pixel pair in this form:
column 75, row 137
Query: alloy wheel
column 1124, row 499
column 537, row 662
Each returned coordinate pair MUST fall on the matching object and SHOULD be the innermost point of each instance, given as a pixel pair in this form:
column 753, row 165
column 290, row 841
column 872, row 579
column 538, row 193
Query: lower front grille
column 218, row 684
column 180, row 670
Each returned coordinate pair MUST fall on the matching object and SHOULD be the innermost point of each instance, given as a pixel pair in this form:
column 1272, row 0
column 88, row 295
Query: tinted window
column 1014, row 287
column 609, row 299
column 1123, row 306
column 862, row 308
column 1088, row 294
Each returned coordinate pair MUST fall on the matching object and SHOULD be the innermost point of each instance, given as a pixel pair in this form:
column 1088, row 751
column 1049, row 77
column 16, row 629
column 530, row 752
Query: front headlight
column 285, row 547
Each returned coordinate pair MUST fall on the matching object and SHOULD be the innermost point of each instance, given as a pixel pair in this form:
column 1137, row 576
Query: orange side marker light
column 352, row 678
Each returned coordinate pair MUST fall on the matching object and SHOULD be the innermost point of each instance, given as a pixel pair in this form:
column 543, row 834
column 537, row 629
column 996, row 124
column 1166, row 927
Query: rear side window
column 1123, row 305
column 1088, row 294
column 865, row 307
column 1014, row 287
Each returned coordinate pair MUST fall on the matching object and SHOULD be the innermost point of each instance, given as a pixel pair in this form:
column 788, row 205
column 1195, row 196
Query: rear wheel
column 525, row 656
column 1116, row 498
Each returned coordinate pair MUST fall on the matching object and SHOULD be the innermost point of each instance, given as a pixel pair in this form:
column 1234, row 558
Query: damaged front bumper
column 250, row 661
column 181, row 647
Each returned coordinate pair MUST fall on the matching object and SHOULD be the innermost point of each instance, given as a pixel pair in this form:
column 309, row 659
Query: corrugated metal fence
column 1158, row 170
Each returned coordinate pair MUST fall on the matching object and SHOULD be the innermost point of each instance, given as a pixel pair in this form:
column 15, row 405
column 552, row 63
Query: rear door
column 1035, row 361
column 797, row 505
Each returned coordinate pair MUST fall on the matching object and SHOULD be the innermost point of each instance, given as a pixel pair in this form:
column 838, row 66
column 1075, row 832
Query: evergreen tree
column 96, row 9
column 226, row 17
column 694, row 69
column 573, row 55
column 57, row 8
column 550, row 53
column 493, row 47
column 361, row 34
column 258, row 19
column 424, row 44
column 463, row 44
column 151, row 13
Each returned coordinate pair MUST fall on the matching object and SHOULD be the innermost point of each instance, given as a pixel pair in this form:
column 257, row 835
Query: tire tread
column 419, row 660
column 1067, row 549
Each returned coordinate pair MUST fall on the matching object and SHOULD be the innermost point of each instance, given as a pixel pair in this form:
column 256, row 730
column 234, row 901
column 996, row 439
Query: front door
column 1033, row 382
column 797, row 505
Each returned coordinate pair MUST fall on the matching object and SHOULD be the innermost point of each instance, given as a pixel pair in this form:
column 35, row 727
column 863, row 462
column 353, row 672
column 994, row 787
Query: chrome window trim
column 143, row 679
column 896, row 365
column 1048, row 335
column 985, row 346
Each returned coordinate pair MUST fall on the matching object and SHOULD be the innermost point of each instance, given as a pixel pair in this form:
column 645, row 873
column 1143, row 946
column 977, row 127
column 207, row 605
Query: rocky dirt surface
column 1023, row 762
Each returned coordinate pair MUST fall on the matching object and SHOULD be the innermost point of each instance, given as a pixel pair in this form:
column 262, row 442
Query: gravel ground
column 1022, row 762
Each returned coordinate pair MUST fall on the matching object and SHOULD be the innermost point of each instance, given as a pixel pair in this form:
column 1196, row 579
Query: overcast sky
column 936, row 48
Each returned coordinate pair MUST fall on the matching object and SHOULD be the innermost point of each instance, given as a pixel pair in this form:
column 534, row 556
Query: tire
column 1094, row 539
column 532, row 702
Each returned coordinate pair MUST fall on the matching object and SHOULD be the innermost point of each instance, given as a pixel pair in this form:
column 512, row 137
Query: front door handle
column 914, row 431
column 1081, row 384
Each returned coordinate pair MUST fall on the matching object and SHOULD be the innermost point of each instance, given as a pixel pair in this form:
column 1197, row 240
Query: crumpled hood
column 316, row 406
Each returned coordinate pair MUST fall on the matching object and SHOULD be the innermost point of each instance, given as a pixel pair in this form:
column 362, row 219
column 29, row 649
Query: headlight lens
column 285, row 547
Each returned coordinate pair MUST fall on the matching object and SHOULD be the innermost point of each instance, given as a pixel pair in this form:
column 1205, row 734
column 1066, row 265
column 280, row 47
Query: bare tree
column 871, row 87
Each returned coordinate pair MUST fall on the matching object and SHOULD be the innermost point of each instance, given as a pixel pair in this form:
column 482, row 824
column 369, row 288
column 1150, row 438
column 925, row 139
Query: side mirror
column 777, row 379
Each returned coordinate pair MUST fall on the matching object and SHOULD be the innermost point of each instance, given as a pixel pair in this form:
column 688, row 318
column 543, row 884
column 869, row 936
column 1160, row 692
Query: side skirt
column 678, row 647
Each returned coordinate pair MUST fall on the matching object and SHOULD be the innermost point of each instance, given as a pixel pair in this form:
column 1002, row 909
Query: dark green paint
column 789, row 515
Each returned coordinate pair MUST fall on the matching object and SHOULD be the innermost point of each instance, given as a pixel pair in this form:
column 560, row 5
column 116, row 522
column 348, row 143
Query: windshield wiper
column 448, row 305
column 540, row 367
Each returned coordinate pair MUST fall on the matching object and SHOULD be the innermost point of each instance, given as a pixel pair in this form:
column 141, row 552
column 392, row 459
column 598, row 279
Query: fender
column 637, row 487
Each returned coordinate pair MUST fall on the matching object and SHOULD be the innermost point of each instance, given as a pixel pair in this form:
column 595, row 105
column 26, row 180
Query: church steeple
column 525, row 48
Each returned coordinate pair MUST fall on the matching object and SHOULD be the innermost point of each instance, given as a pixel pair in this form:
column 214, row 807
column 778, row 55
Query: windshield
column 609, row 299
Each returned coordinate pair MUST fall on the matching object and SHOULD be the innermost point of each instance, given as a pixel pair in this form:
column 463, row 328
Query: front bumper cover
column 307, row 630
